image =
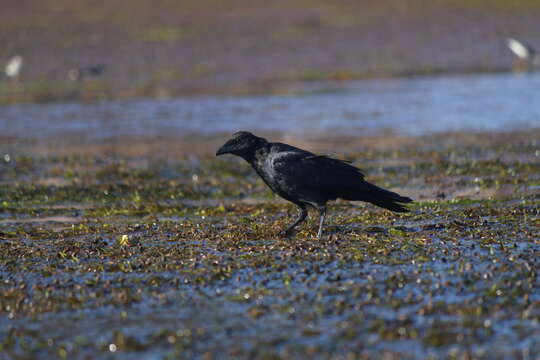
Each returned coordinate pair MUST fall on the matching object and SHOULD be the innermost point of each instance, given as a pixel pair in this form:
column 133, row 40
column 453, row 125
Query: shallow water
column 414, row 106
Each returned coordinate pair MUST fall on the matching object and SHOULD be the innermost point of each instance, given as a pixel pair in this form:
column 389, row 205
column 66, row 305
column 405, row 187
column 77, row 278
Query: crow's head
column 242, row 143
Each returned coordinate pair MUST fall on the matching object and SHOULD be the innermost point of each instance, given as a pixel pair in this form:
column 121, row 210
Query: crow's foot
column 286, row 233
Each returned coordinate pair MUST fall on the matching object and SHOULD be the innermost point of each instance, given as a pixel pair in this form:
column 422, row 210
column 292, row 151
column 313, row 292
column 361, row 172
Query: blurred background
column 297, row 67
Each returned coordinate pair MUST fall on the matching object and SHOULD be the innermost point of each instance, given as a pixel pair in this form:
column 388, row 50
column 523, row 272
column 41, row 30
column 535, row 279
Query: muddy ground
column 167, row 48
column 157, row 249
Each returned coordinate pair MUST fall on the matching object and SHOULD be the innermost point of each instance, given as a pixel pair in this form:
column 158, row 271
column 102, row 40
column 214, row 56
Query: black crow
column 304, row 178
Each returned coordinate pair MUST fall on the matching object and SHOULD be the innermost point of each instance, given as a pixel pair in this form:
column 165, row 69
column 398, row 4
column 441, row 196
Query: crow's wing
column 317, row 179
column 309, row 173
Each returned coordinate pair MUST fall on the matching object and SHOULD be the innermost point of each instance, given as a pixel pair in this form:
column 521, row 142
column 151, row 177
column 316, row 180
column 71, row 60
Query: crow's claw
column 285, row 233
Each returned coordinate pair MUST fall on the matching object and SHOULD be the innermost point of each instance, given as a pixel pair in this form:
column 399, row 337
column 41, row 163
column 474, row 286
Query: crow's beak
column 222, row 150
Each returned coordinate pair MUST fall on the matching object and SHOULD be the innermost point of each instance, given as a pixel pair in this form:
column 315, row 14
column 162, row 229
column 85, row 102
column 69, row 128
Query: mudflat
column 154, row 247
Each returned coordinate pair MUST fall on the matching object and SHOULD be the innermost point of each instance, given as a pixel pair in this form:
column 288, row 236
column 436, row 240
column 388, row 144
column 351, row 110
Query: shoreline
column 204, row 145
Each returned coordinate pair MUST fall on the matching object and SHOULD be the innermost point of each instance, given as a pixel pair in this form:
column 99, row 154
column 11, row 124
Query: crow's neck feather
column 253, row 155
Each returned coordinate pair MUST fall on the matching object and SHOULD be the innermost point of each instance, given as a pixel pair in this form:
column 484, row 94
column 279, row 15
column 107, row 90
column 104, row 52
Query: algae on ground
column 101, row 255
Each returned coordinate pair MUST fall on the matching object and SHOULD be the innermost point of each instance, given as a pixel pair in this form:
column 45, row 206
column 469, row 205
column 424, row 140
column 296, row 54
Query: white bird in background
column 13, row 67
column 524, row 52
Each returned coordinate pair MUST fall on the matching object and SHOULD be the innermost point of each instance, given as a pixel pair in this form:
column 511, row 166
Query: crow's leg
column 322, row 213
column 301, row 217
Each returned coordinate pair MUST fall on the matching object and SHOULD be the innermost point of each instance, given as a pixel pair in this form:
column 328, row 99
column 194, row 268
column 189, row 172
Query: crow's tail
column 380, row 197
